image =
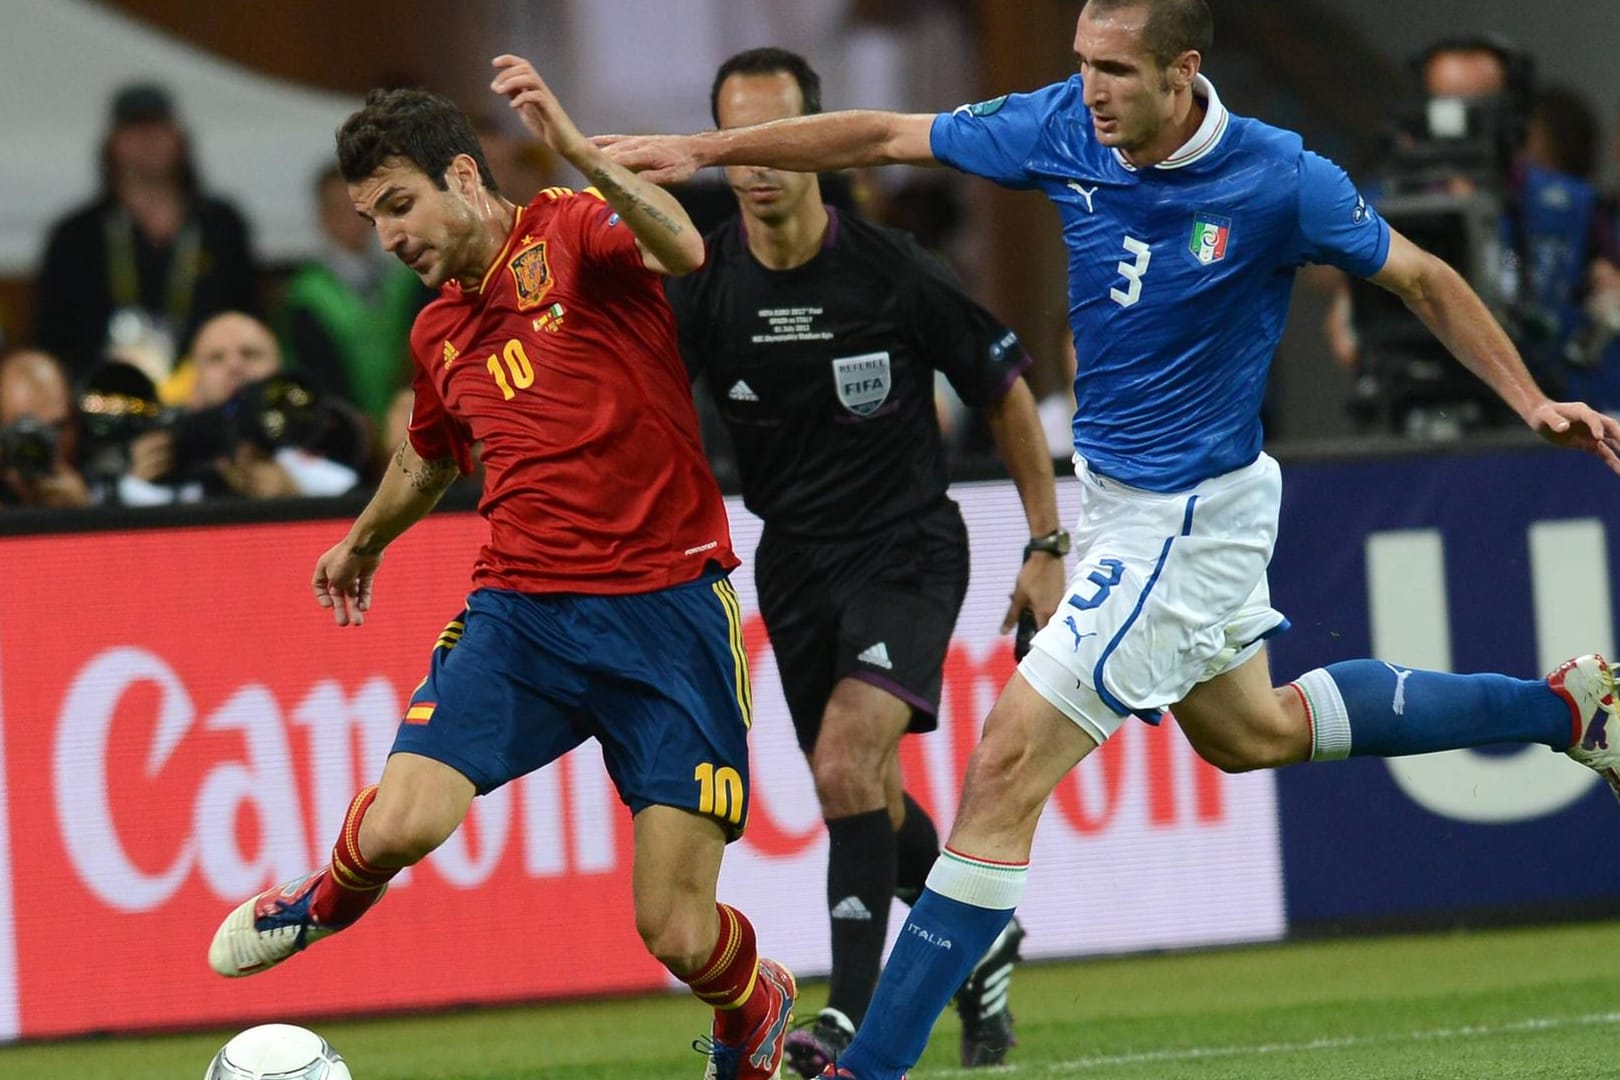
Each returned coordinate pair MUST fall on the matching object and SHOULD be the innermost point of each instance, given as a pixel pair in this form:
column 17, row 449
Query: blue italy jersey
column 1179, row 274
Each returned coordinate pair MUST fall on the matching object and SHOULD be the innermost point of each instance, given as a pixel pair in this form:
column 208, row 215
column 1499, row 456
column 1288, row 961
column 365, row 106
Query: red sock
column 729, row 978
column 351, row 884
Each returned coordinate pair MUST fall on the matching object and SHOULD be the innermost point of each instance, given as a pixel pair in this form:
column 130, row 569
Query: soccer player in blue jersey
column 1184, row 225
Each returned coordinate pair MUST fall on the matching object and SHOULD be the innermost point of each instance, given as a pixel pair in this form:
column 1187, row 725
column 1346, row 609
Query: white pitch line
column 1195, row 1053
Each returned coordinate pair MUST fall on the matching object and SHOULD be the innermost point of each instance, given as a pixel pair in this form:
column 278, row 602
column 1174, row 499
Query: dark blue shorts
column 660, row 679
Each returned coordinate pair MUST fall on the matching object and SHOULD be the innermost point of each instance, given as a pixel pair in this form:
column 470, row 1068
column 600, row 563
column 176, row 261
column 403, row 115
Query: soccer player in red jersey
column 601, row 603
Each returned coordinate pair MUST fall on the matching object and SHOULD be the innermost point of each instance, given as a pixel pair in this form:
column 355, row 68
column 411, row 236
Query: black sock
column 860, row 882
column 916, row 848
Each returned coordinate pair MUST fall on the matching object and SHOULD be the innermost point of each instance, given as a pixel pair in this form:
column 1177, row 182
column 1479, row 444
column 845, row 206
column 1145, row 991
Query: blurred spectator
column 151, row 257
column 245, row 432
column 38, row 434
column 1564, row 133
column 345, row 318
column 1565, row 138
column 1600, row 376
column 1489, row 175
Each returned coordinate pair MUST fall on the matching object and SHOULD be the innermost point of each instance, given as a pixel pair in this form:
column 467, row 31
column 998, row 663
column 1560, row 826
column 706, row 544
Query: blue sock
column 1367, row 708
column 966, row 904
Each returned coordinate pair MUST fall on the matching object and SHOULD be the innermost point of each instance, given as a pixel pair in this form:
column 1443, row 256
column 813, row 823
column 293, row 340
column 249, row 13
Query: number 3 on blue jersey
column 1133, row 272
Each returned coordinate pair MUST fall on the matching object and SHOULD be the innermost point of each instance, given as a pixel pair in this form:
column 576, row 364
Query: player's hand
column 1039, row 589
column 1580, row 427
column 660, row 159
column 538, row 108
column 342, row 583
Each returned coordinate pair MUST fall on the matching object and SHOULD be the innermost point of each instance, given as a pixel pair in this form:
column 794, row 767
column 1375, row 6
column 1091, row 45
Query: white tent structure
column 257, row 141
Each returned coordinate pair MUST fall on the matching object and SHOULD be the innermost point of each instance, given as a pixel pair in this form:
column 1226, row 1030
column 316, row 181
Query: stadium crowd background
column 294, row 258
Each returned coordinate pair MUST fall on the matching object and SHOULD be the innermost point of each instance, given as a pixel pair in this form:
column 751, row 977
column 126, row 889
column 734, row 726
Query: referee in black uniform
column 818, row 336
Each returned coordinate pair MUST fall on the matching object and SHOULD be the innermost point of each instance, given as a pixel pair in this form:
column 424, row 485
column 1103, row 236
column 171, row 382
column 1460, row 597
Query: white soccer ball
column 277, row 1052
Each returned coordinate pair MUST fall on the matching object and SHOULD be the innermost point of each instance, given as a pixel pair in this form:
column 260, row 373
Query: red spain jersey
column 562, row 370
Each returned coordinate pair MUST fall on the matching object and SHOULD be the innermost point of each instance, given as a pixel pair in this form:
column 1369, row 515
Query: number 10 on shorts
column 720, row 792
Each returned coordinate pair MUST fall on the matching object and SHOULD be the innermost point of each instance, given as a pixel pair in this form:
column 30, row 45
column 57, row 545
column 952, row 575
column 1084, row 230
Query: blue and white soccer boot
column 1587, row 684
column 264, row 931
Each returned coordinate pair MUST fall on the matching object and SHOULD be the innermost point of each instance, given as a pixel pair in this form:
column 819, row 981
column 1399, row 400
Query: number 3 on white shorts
column 1104, row 583
column 1133, row 272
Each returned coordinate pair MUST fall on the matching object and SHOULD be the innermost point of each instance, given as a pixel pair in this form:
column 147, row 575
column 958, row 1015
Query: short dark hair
column 769, row 61
column 418, row 126
column 1172, row 27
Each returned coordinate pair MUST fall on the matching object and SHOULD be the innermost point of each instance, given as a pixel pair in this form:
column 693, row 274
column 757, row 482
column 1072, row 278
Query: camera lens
column 30, row 446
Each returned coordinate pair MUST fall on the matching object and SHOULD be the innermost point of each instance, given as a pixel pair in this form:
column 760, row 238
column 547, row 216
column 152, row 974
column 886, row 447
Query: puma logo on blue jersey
column 1085, row 194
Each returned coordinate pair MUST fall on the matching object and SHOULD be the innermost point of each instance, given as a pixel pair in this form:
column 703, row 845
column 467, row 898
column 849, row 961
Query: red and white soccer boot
column 1587, row 684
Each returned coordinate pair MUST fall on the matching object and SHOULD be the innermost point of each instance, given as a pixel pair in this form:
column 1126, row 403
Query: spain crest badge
column 531, row 274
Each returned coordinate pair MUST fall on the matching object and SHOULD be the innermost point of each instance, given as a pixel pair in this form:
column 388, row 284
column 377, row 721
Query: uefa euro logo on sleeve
column 1209, row 236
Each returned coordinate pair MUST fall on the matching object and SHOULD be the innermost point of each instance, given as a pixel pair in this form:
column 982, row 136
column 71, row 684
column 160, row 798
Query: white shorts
column 1169, row 591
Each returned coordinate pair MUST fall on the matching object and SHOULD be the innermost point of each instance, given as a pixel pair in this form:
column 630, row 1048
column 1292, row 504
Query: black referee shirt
column 824, row 373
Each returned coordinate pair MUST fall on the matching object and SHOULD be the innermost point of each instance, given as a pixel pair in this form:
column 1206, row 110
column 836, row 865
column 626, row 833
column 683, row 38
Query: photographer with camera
column 249, row 429
column 38, row 434
column 1462, row 176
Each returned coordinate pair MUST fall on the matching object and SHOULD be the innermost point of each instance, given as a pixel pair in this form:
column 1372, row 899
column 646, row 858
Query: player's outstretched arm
column 409, row 490
column 825, row 141
column 669, row 242
column 1456, row 315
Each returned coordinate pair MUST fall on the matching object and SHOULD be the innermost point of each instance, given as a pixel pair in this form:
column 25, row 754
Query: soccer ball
column 277, row 1052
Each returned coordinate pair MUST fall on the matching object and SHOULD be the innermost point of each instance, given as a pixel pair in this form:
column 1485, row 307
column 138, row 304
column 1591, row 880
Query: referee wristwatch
column 1054, row 543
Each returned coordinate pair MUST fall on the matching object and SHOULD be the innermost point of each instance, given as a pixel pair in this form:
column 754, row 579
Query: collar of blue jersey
column 1204, row 140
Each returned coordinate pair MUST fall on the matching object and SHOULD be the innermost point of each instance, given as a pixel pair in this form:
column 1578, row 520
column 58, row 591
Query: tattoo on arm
column 430, row 477
column 612, row 190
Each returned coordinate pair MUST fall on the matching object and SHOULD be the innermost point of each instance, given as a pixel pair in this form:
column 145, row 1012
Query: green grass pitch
column 1521, row 1003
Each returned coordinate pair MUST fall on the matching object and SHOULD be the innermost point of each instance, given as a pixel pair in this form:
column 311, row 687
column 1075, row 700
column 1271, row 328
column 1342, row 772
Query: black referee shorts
column 879, row 607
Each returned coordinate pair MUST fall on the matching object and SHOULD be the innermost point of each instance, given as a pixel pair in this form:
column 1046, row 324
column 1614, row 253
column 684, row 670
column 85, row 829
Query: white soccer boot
column 264, row 931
